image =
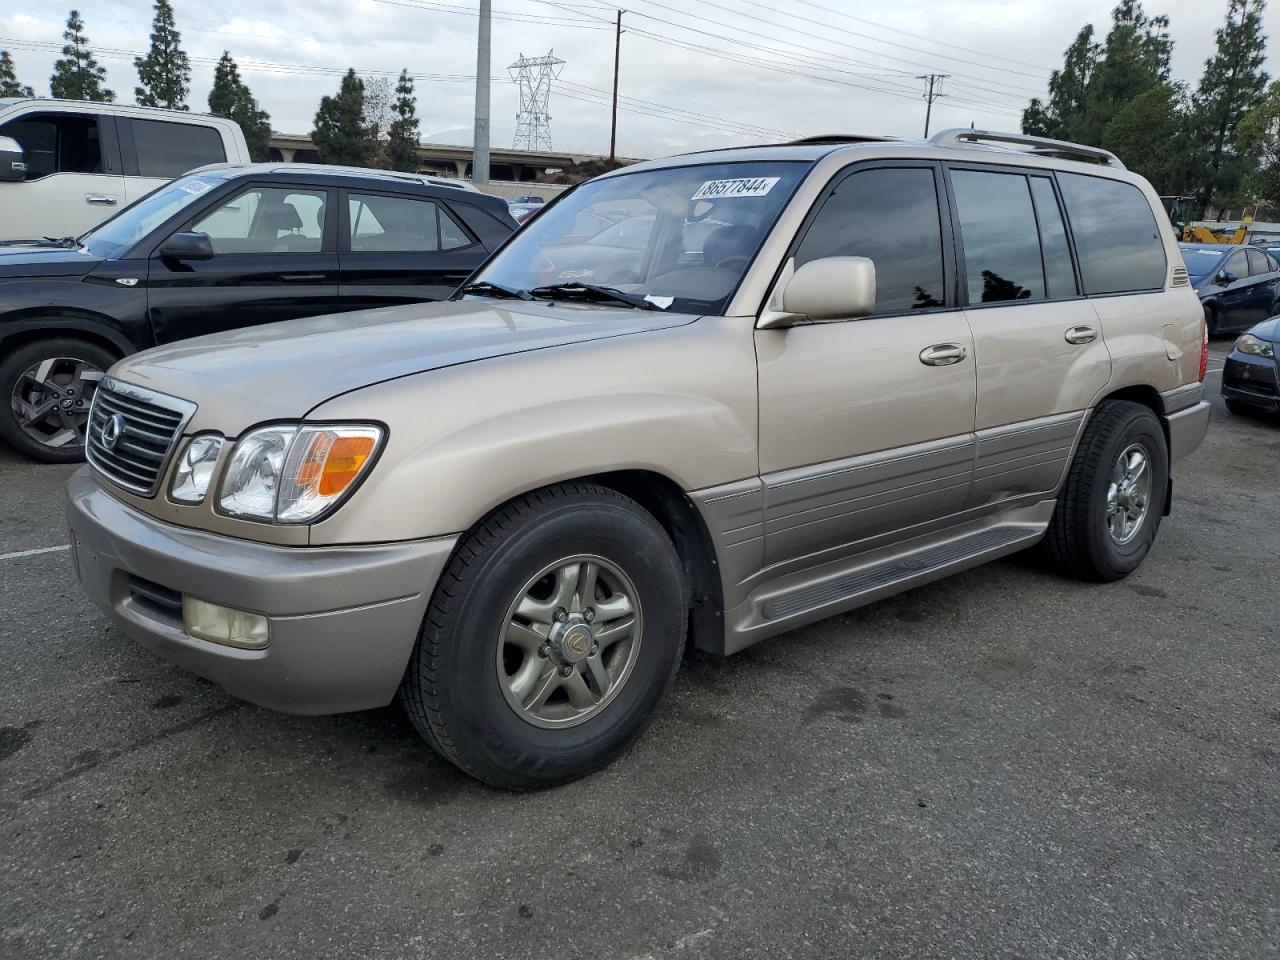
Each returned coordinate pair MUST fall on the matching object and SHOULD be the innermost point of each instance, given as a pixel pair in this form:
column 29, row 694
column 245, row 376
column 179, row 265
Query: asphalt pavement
column 1003, row 764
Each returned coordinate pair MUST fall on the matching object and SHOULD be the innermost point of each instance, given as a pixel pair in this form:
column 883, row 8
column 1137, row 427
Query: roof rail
column 960, row 136
column 823, row 139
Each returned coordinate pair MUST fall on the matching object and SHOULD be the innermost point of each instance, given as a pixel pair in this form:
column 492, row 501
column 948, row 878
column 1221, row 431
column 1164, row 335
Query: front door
column 400, row 249
column 1235, row 302
column 273, row 259
column 866, row 426
column 1041, row 355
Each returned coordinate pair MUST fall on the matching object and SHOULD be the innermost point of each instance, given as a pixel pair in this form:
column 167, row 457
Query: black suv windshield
column 114, row 237
column 679, row 238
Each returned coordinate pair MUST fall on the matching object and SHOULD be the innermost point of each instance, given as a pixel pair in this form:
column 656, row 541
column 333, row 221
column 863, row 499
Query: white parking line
column 32, row 553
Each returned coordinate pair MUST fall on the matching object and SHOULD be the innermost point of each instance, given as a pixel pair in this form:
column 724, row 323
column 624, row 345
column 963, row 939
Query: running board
column 796, row 599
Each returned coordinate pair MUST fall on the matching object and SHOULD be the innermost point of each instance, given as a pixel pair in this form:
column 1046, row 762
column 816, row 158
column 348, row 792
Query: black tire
column 1239, row 409
column 12, row 369
column 451, row 689
column 1079, row 540
column 1211, row 322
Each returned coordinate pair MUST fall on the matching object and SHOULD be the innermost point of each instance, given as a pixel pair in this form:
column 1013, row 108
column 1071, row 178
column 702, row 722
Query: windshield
column 1200, row 262
column 679, row 238
column 115, row 236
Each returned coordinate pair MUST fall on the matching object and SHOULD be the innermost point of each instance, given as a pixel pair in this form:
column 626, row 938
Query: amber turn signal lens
column 343, row 464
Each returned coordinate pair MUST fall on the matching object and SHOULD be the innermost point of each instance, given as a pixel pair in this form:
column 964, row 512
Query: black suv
column 223, row 247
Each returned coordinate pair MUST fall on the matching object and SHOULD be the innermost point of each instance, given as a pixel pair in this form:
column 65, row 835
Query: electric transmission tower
column 533, row 75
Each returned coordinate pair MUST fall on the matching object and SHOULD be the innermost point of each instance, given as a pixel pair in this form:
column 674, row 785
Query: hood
column 283, row 370
column 33, row 260
column 1267, row 330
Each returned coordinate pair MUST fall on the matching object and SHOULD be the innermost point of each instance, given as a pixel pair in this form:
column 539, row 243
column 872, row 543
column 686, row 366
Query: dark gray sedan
column 1251, row 376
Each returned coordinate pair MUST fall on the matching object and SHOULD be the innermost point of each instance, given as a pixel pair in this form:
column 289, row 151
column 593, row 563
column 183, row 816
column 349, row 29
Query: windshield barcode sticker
column 746, row 187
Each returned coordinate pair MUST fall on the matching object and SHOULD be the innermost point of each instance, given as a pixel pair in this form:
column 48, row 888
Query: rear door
column 397, row 248
column 157, row 151
column 274, row 259
column 74, row 174
column 1041, row 357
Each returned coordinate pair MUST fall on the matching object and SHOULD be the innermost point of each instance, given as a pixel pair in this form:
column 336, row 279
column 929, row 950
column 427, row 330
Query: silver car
column 830, row 372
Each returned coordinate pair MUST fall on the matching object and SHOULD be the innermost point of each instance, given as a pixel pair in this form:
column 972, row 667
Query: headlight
column 292, row 474
column 195, row 468
column 1254, row 347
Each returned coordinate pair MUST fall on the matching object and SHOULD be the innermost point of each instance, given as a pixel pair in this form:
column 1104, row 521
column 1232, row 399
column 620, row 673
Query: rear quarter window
column 1117, row 239
column 169, row 149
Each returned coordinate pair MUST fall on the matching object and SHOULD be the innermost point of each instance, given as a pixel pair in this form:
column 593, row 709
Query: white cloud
column 998, row 52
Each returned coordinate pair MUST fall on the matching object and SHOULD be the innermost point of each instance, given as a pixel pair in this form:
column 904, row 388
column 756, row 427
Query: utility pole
column 613, row 125
column 933, row 79
column 480, row 138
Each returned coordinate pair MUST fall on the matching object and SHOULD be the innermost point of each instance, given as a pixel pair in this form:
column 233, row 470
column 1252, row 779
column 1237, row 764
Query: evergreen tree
column 77, row 75
column 164, row 73
column 1258, row 137
column 9, row 85
column 230, row 97
column 1135, row 58
column 1232, row 85
column 1067, row 90
column 340, row 134
column 1150, row 135
column 404, row 129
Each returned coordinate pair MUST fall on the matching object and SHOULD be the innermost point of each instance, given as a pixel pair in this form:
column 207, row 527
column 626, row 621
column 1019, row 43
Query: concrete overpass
column 444, row 160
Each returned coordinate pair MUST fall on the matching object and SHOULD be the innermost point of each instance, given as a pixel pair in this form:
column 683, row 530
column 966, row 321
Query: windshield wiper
column 496, row 289
column 575, row 290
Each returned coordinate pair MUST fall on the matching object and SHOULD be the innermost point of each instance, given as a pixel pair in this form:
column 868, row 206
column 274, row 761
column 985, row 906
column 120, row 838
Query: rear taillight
column 1204, row 349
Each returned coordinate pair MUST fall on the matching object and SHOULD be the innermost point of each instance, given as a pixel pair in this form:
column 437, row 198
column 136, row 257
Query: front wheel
column 48, row 385
column 551, row 638
column 1111, row 502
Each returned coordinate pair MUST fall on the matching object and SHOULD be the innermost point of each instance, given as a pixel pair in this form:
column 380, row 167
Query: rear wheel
column 1110, row 505
column 48, row 386
column 550, row 640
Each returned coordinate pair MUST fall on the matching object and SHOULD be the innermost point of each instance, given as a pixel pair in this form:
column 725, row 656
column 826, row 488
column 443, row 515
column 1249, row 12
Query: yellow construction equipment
column 1180, row 211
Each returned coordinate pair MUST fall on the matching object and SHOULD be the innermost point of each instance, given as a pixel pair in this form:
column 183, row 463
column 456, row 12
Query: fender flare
column 60, row 325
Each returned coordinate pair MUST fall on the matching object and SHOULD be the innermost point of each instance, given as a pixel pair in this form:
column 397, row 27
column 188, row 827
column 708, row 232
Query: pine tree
column 340, row 134
column 77, row 75
column 9, row 85
column 1150, row 135
column 1135, row 58
column 164, row 74
column 404, row 129
column 1233, row 84
column 230, row 97
column 1067, row 90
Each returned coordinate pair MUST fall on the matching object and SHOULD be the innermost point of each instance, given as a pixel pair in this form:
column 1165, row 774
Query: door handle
column 943, row 354
column 1081, row 334
column 100, row 199
column 300, row 277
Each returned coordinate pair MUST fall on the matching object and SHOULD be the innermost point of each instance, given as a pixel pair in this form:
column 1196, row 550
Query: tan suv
column 719, row 395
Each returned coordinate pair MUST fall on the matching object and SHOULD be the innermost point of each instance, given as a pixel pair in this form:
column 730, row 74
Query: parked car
column 1251, row 376
column 1238, row 285
column 891, row 361
column 226, row 247
column 78, row 162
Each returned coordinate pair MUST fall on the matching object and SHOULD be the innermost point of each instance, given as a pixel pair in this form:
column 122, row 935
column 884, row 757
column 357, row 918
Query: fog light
column 235, row 628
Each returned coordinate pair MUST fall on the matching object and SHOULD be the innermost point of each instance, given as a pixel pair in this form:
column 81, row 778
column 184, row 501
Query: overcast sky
column 703, row 73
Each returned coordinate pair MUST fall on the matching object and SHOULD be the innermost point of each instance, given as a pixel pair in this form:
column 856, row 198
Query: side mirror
column 187, row 246
column 1226, row 277
column 13, row 164
column 833, row 288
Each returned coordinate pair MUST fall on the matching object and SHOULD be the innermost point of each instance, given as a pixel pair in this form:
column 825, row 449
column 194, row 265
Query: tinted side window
column 58, row 143
column 1237, row 264
column 402, row 224
column 1117, row 239
column 1059, row 277
column 999, row 237
column 171, row 149
column 891, row 216
column 267, row 220
column 1259, row 263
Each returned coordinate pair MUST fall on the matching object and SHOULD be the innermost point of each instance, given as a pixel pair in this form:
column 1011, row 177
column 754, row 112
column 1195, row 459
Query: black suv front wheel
column 48, row 385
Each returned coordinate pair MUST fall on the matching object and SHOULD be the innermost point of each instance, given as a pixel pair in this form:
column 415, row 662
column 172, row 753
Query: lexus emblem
column 111, row 430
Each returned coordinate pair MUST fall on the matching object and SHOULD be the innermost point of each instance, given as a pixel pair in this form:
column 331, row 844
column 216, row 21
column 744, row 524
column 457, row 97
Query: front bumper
column 343, row 620
column 1252, row 380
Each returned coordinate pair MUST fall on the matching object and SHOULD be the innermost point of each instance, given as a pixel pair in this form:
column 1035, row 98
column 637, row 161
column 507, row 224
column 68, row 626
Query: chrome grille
column 131, row 433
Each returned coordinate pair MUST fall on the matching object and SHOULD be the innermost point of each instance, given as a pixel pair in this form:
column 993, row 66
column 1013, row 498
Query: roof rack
column 823, row 139
column 960, row 136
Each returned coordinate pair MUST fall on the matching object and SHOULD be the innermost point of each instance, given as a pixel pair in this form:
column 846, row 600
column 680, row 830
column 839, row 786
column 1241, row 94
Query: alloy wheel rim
column 569, row 641
column 50, row 400
column 1129, row 494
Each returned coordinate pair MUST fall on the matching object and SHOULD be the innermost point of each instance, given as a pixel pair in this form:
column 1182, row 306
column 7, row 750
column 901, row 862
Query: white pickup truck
column 67, row 165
